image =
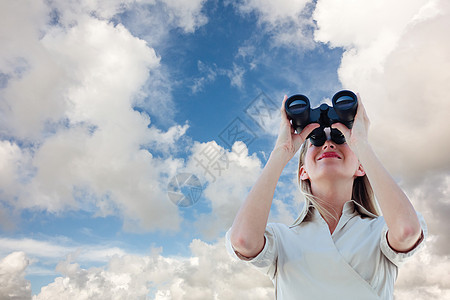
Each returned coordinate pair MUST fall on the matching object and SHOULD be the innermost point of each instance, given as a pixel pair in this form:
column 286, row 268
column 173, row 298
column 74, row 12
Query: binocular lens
column 345, row 104
column 344, row 100
column 297, row 106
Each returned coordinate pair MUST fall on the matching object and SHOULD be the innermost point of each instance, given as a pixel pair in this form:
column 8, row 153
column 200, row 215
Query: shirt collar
column 349, row 208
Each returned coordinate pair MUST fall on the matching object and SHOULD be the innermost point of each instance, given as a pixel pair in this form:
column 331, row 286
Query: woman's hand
column 288, row 142
column 358, row 135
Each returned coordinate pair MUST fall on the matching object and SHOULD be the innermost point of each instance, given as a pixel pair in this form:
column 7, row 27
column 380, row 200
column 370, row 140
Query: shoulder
column 280, row 228
column 281, row 233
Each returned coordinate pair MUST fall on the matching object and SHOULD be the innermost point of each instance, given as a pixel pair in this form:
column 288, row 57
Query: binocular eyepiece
column 298, row 109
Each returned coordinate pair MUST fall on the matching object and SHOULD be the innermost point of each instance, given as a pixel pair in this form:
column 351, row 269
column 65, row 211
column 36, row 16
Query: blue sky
column 103, row 103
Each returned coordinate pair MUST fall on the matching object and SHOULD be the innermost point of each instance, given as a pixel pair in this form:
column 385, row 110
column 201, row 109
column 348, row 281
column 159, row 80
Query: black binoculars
column 343, row 111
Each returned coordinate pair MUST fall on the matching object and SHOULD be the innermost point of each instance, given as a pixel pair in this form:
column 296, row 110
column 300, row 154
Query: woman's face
column 330, row 161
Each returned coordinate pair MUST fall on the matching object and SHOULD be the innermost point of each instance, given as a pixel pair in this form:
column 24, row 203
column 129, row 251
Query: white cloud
column 209, row 273
column 424, row 277
column 72, row 82
column 13, row 284
column 152, row 20
column 210, row 73
column 27, row 19
column 230, row 175
column 187, row 14
column 273, row 12
column 52, row 250
column 287, row 22
column 24, row 54
column 431, row 197
column 35, row 257
column 236, row 75
column 401, row 68
column 362, row 24
column 284, row 212
column 67, row 13
column 105, row 66
column 35, row 248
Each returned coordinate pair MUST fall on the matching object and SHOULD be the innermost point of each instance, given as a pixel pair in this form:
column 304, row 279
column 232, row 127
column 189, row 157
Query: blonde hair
column 362, row 193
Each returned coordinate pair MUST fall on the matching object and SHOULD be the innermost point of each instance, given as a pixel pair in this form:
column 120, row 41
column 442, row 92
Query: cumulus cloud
column 13, row 284
column 287, row 22
column 152, row 20
column 401, row 68
column 433, row 283
column 431, row 198
column 186, row 14
column 209, row 273
column 71, row 138
column 229, row 174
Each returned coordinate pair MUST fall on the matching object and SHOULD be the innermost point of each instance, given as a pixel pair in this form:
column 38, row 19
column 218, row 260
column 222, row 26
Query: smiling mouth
column 329, row 155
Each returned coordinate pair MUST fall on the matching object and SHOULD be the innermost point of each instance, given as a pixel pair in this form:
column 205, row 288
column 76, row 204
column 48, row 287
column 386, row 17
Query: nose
column 329, row 144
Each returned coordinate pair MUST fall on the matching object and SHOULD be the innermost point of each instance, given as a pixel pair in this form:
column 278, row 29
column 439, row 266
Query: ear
column 360, row 171
column 303, row 174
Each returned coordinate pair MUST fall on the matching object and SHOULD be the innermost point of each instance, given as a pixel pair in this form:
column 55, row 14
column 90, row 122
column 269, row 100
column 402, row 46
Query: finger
column 361, row 110
column 284, row 116
column 283, row 102
column 300, row 138
column 308, row 129
column 342, row 128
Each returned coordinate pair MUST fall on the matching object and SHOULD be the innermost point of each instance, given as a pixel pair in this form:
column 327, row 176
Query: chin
column 333, row 174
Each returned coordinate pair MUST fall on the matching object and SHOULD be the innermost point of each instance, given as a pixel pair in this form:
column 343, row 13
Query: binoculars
column 298, row 109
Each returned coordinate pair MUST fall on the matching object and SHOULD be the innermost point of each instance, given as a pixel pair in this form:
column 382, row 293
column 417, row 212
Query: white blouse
column 305, row 261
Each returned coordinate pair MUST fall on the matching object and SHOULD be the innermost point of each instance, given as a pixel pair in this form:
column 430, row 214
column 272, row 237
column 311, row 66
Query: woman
column 338, row 248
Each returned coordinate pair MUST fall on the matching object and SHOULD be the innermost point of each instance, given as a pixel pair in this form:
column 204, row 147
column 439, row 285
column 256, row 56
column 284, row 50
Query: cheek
column 309, row 158
column 351, row 158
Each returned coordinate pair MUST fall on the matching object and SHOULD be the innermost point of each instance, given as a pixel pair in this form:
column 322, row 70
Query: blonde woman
column 339, row 247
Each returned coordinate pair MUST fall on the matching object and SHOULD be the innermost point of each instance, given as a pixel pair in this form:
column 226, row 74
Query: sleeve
column 398, row 258
column 266, row 260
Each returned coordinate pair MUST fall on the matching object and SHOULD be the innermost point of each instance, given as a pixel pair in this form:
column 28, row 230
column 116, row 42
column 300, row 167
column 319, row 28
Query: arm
column 247, row 231
column 401, row 218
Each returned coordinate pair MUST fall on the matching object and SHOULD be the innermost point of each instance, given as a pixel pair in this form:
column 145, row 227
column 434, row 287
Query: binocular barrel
column 298, row 109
